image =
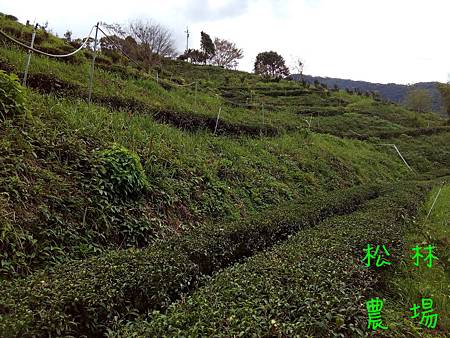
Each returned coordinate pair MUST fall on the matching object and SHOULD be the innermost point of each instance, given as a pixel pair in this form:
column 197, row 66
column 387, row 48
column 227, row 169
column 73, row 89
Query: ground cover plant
column 146, row 213
column 314, row 284
column 191, row 179
column 79, row 296
column 410, row 283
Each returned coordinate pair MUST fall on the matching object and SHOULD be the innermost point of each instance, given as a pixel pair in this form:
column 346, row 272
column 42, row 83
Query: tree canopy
column 445, row 93
column 206, row 45
column 144, row 41
column 271, row 65
column 227, row 54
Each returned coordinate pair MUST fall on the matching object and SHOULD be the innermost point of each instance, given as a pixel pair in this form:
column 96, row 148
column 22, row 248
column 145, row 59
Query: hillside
column 391, row 91
column 207, row 202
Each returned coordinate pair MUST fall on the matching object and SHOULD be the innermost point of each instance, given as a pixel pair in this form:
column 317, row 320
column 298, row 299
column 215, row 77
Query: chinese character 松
column 379, row 261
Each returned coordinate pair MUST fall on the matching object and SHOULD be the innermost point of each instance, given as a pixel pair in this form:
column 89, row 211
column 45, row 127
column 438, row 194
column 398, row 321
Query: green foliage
column 271, row 65
column 195, row 178
column 12, row 95
column 79, row 298
column 194, row 56
column 120, row 173
column 69, row 211
column 445, row 93
column 422, row 281
column 85, row 297
column 419, row 100
column 10, row 17
column 207, row 45
column 310, row 285
column 218, row 246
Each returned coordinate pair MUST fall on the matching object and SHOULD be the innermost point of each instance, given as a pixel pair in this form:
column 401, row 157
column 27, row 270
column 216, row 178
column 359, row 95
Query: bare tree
column 419, row 100
column 298, row 67
column 226, row 54
column 153, row 37
column 147, row 41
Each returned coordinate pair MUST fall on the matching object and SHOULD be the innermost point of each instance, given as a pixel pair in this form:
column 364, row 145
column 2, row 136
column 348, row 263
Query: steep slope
column 125, row 205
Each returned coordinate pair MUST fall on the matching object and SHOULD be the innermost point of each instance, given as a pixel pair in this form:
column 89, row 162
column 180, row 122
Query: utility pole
column 187, row 38
column 27, row 66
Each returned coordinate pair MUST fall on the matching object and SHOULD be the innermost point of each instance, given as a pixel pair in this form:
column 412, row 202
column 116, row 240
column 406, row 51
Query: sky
column 384, row 41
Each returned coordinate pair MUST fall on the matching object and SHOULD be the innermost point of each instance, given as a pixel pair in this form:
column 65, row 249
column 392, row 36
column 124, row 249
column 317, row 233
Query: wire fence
column 104, row 30
column 32, row 49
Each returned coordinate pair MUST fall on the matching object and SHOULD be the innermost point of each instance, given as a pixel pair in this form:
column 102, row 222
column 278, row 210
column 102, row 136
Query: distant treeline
column 391, row 91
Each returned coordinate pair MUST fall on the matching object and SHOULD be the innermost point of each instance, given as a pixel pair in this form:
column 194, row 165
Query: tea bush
column 310, row 285
column 120, row 173
column 12, row 97
column 85, row 297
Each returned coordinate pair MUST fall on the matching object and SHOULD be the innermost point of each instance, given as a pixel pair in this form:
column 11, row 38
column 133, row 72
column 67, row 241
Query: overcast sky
column 402, row 41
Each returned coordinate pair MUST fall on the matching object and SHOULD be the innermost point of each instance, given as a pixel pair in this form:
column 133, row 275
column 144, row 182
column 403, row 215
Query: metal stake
column 217, row 120
column 435, row 199
column 195, row 97
column 27, row 66
column 91, row 77
column 262, row 108
column 399, row 153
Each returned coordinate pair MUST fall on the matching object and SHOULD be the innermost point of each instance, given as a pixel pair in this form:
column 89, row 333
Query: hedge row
column 50, row 84
column 390, row 134
column 287, row 92
column 322, row 111
column 312, row 285
column 86, row 297
column 216, row 247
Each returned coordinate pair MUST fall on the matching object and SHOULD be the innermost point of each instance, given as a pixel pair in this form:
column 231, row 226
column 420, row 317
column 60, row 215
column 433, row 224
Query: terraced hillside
column 207, row 202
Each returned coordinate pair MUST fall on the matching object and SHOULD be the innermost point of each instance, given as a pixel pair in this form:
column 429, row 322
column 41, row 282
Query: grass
column 184, row 101
column 205, row 201
column 193, row 178
column 426, row 153
column 410, row 283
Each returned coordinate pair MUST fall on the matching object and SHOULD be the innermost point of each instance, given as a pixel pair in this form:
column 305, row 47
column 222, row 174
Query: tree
column 194, row 56
column 227, row 54
column 298, row 67
column 145, row 41
column 68, row 36
column 445, row 93
column 206, row 45
column 271, row 65
column 152, row 37
column 418, row 100
column 111, row 46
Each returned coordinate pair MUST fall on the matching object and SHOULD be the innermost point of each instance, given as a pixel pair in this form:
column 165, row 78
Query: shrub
column 104, row 60
column 12, row 98
column 81, row 297
column 120, row 173
column 85, row 297
column 6, row 66
column 11, row 17
column 310, row 285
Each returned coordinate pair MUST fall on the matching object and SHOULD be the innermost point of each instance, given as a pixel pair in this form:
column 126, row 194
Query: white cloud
column 401, row 41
